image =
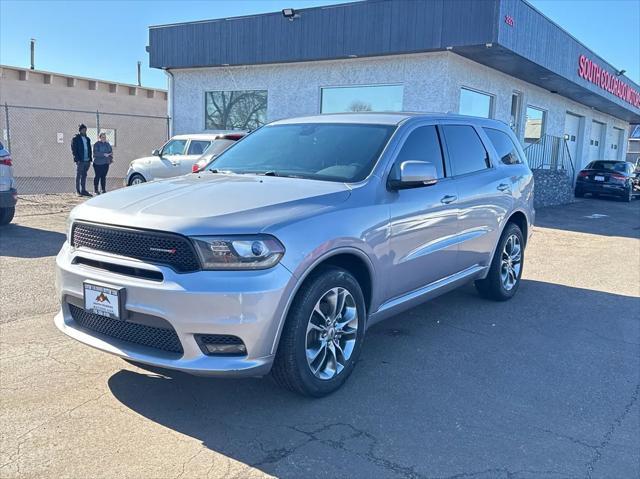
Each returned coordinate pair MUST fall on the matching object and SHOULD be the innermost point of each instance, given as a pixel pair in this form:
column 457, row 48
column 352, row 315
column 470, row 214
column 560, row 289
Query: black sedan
column 602, row 177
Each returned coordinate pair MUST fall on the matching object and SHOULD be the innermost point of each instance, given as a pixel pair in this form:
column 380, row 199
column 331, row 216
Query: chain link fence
column 39, row 140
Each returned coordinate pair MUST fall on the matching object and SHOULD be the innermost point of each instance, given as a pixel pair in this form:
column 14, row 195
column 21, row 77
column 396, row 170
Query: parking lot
column 545, row 385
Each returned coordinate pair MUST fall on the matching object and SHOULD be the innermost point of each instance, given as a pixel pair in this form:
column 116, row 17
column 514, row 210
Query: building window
column 534, row 126
column 235, row 110
column 92, row 134
column 475, row 103
column 361, row 98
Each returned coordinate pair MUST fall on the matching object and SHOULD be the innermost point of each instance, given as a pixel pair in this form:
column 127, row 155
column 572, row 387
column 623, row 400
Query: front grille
column 141, row 334
column 170, row 249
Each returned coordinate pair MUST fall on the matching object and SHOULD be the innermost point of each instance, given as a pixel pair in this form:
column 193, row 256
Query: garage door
column 616, row 144
column 595, row 141
column 571, row 133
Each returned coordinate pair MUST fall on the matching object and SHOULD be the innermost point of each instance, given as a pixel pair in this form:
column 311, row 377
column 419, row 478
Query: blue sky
column 105, row 39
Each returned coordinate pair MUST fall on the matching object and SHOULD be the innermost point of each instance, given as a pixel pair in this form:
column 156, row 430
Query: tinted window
column 423, row 145
column 608, row 165
column 505, row 147
column 324, row 151
column 197, row 147
column 466, row 151
column 174, row 147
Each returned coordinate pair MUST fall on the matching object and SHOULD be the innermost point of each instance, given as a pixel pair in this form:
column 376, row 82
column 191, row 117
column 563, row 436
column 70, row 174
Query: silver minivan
column 280, row 254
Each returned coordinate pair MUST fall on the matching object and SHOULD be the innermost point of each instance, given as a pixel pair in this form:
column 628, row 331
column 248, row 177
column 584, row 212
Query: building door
column 595, row 141
column 617, row 145
column 516, row 110
column 572, row 135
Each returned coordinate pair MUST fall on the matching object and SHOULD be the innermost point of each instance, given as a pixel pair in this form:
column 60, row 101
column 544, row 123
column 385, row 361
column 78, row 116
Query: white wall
column 432, row 82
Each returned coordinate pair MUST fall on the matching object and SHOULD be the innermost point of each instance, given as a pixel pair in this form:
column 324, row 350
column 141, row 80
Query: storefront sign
column 594, row 73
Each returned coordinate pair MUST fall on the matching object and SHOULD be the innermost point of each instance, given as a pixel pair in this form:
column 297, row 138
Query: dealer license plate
column 103, row 300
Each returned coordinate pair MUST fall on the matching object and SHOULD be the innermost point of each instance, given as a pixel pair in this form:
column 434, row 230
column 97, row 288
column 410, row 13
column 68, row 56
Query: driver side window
column 423, row 144
column 174, row 147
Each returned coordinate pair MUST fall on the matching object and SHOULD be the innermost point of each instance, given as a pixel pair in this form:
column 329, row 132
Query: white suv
column 178, row 156
column 8, row 192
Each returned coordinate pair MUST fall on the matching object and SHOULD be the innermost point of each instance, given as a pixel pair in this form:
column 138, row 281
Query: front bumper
column 246, row 304
column 8, row 199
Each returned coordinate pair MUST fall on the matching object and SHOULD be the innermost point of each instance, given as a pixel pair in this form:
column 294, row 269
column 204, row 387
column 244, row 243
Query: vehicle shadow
column 25, row 242
column 457, row 384
column 600, row 216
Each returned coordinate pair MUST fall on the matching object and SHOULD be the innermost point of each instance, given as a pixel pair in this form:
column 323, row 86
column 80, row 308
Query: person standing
column 81, row 150
column 102, row 158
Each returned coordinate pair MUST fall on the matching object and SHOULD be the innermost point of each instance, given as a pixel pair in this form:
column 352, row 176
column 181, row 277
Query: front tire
column 323, row 333
column 505, row 272
column 6, row 215
column 136, row 179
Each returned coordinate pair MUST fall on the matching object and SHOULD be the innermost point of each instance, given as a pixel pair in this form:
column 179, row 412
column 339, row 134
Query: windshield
column 608, row 165
column 324, row 151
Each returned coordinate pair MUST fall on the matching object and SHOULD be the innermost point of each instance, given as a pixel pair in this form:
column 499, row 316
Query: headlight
column 239, row 252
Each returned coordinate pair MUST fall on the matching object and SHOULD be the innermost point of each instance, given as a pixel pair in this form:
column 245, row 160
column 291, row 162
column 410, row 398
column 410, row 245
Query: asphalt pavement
column 546, row 385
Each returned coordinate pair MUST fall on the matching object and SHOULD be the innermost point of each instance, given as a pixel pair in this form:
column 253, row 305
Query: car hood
column 210, row 203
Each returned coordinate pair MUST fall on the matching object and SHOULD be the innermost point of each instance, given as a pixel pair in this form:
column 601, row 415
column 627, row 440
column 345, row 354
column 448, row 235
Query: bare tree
column 359, row 105
column 235, row 110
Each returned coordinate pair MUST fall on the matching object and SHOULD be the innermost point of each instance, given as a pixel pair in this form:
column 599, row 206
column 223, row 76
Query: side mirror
column 155, row 152
column 413, row 174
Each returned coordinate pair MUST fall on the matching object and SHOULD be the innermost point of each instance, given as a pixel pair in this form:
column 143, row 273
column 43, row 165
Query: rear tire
column 6, row 215
column 628, row 196
column 504, row 275
column 136, row 179
column 323, row 333
column 578, row 193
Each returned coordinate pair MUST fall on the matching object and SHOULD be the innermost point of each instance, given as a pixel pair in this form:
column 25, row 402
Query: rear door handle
column 504, row 187
column 448, row 199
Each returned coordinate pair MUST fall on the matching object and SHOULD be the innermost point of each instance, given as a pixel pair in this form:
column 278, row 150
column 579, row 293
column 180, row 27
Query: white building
column 494, row 58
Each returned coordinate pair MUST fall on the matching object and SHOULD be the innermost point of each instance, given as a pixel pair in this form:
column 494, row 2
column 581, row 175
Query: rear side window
column 197, row 147
column 423, row 144
column 466, row 151
column 505, row 147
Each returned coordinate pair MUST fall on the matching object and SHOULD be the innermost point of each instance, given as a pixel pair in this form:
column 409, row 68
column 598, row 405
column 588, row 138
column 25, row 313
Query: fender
column 502, row 227
column 301, row 279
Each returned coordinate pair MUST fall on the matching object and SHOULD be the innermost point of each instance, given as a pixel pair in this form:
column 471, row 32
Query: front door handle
column 448, row 199
column 504, row 187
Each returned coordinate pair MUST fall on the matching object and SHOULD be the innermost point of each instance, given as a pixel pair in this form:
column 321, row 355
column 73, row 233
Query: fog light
column 221, row 345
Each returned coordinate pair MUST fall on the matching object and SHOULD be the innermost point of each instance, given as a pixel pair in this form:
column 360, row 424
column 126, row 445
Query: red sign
column 594, row 73
column 508, row 19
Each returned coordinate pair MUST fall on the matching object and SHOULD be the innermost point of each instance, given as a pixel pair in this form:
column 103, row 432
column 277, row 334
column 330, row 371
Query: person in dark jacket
column 102, row 158
column 81, row 150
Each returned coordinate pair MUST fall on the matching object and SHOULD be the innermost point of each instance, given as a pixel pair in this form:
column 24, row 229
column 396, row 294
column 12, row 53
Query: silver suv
column 281, row 253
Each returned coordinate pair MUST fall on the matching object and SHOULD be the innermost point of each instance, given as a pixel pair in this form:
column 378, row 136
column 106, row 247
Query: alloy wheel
column 511, row 262
column 331, row 333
